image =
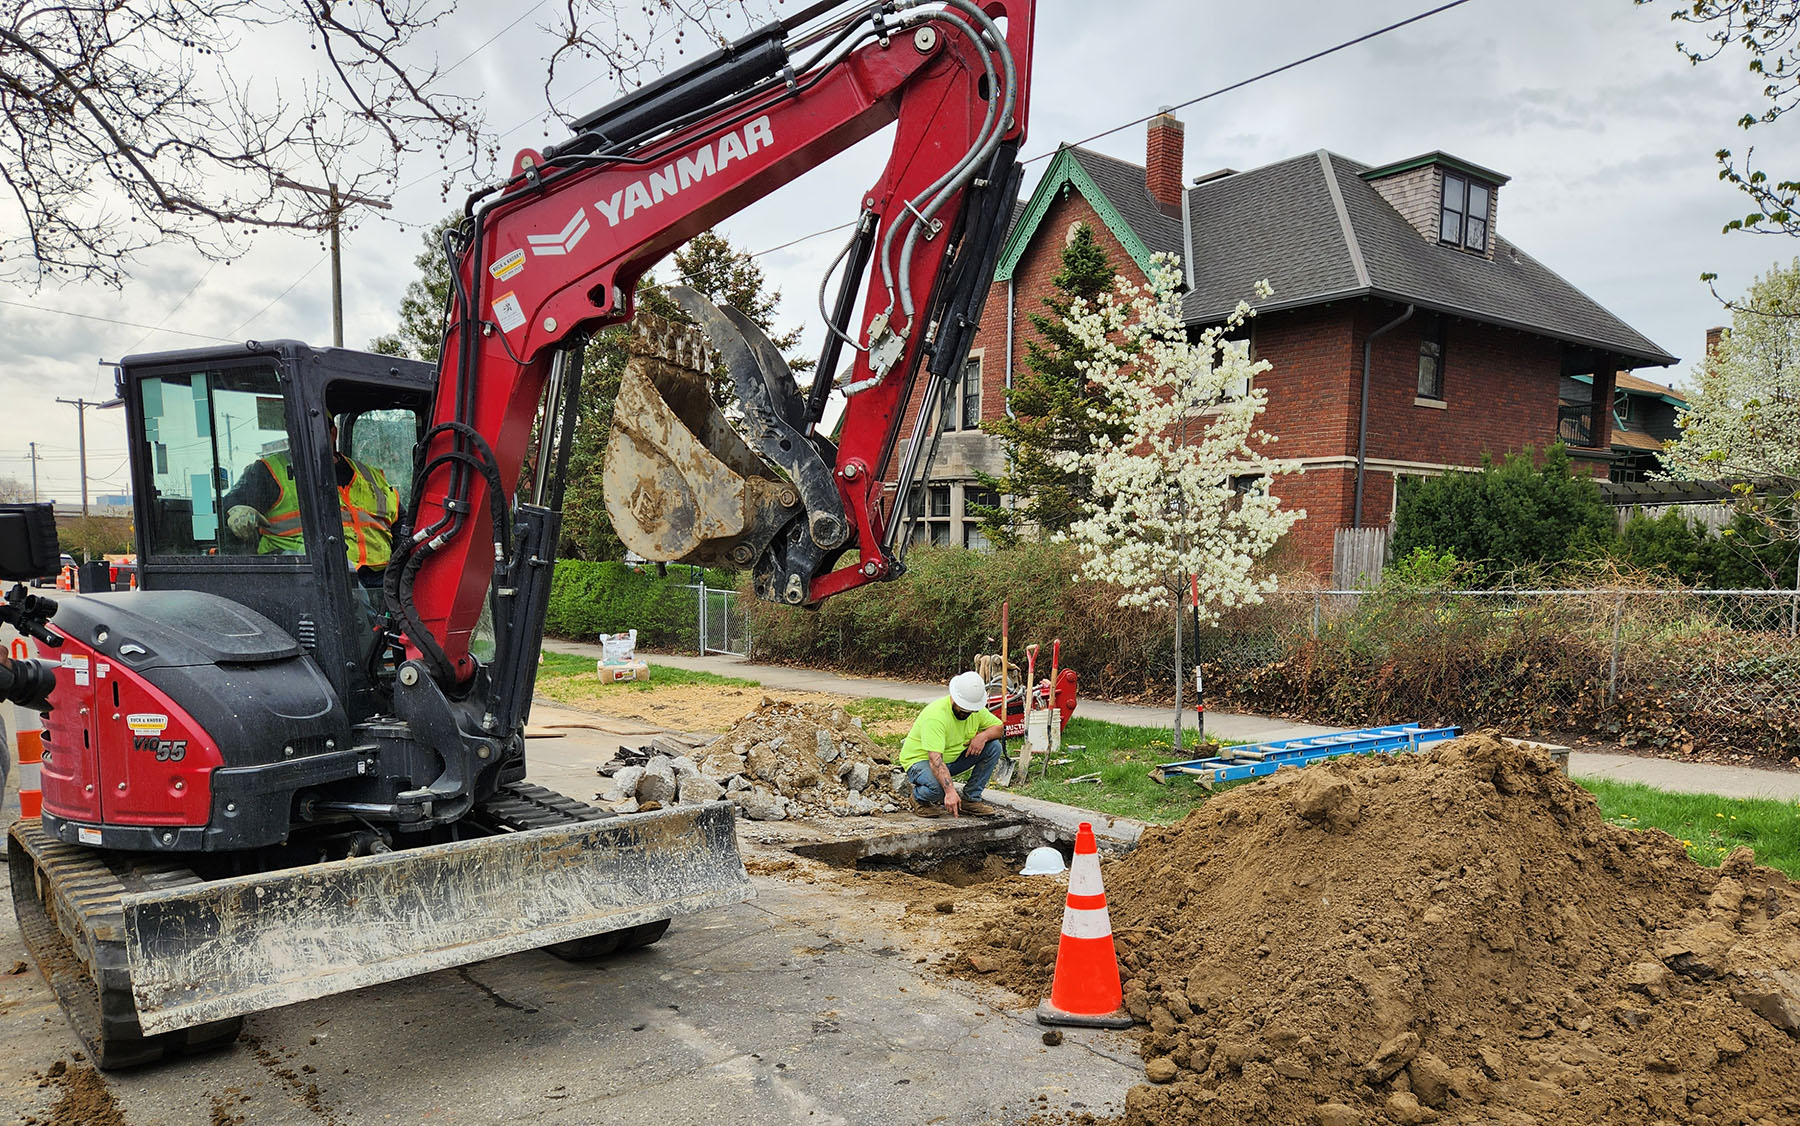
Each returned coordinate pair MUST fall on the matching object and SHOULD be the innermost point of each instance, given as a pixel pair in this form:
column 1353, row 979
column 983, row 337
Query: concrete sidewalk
column 1237, row 728
column 1664, row 774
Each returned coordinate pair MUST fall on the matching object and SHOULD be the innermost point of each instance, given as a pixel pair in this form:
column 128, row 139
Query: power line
column 1316, row 55
column 112, row 320
column 491, row 38
column 240, row 328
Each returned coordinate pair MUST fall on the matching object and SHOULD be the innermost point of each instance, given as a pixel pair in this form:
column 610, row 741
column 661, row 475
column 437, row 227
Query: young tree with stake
column 1186, row 490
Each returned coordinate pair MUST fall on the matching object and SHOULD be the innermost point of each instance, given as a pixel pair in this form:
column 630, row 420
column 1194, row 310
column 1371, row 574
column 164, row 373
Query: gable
column 1066, row 173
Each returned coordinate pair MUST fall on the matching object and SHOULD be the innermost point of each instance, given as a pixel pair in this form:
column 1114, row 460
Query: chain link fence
column 724, row 623
column 1705, row 670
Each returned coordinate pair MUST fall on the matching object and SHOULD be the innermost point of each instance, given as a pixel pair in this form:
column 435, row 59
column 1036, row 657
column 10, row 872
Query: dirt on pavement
column 689, row 707
column 1452, row 937
column 84, row 1099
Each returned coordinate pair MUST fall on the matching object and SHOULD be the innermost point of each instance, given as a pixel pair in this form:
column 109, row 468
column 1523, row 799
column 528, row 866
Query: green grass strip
column 1709, row 826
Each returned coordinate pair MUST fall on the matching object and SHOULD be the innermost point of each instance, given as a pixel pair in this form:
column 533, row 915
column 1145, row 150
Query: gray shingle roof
column 1123, row 183
column 1281, row 222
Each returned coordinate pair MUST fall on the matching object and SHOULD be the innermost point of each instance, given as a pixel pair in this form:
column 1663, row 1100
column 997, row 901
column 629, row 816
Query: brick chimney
column 1162, row 159
column 1713, row 337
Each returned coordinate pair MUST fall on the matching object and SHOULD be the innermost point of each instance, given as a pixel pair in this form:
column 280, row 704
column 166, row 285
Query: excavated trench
column 960, row 853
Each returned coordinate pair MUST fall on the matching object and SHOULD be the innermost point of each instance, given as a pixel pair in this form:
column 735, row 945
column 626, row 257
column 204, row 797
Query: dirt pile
column 84, row 1099
column 783, row 760
column 1452, row 937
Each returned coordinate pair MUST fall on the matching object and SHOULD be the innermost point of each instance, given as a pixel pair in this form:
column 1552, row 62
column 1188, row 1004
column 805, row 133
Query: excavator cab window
column 384, row 438
column 208, row 436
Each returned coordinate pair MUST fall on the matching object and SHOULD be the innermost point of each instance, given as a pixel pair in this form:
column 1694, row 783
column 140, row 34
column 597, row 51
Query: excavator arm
column 555, row 253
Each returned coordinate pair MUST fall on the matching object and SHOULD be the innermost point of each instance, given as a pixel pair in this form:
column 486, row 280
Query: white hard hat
column 1042, row 861
column 968, row 691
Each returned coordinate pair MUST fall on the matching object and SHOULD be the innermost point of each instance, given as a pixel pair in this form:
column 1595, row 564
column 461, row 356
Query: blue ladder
column 1255, row 759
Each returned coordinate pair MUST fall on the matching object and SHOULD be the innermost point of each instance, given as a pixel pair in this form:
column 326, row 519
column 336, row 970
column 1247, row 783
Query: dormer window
column 1463, row 219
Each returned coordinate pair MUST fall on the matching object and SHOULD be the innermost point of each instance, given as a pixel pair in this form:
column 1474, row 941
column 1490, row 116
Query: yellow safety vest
column 368, row 505
column 281, row 531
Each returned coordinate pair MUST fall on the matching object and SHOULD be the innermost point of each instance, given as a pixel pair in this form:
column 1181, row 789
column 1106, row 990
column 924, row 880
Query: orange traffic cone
column 31, row 756
column 1086, row 988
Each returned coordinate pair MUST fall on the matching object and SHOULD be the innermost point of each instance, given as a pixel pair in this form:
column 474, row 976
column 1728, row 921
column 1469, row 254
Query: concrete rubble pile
column 783, row 760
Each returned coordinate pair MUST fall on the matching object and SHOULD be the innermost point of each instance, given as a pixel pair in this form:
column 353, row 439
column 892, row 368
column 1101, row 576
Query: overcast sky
column 1608, row 135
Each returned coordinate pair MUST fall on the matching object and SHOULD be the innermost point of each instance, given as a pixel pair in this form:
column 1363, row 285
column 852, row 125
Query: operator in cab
column 263, row 508
column 953, row 735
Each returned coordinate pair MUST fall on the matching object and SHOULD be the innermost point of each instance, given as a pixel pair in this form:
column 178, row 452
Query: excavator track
column 68, row 900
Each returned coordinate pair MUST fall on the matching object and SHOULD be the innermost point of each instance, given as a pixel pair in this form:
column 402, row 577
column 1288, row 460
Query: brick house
column 1644, row 416
column 1471, row 345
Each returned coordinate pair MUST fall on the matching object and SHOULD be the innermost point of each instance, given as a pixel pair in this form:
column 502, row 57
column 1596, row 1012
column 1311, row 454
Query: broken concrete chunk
column 698, row 787
column 626, row 780
column 827, row 749
column 858, row 779
column 683, row 766
column 759, row 804
column 657, row 784
column 736, row 783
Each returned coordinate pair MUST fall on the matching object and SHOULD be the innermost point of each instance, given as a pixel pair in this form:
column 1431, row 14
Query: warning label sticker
column 508, row 313
column 87, row 836
column 78, row 665
column 508, row 266
column 146, row 723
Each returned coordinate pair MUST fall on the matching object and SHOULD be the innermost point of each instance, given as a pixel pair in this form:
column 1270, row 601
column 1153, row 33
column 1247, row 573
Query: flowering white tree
column 1744, row 420
column 1187, row 491
column 1742, row 425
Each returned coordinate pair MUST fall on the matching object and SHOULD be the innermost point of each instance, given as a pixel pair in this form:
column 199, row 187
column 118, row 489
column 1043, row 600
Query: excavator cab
column 239, row 495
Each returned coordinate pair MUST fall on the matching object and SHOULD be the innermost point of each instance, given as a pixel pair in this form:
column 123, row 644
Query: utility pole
column 34, row 461
column 333, row 223
column 81, row 406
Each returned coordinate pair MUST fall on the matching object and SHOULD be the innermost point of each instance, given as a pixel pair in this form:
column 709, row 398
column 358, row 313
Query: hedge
column 593, row 598
column 932, row 622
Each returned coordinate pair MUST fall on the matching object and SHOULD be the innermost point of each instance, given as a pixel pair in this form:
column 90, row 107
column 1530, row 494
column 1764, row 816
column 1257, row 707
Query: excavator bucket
column 681, row 486
column 211, row 951
column 684, row 484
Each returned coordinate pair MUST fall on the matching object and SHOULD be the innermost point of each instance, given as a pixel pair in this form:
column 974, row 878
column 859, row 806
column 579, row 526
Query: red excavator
column 272, row 774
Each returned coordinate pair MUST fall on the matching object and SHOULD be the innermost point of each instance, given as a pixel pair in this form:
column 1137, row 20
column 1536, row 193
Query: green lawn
column 562, row 665
column 1123, row 757
column 1708, row 825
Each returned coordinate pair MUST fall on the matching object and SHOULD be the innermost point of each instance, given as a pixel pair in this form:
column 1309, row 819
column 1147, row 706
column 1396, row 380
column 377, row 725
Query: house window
column 971, row 393
column 961, row 406
column 1463, row 219
column 973, row 537
column 1431, row 358
column 940, row 501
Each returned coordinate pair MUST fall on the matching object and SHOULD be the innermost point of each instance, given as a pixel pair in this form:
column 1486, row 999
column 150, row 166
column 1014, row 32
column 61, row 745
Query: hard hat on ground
column 968, row 691
column 1042, row 861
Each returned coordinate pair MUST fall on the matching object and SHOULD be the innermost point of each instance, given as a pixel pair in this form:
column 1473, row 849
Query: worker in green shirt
column 954, row 735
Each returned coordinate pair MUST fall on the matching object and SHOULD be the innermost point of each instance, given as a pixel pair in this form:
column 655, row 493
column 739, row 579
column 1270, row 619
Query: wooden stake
column 1030, row 691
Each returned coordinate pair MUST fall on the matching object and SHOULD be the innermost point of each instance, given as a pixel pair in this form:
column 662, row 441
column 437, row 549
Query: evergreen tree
column 1050, row 403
